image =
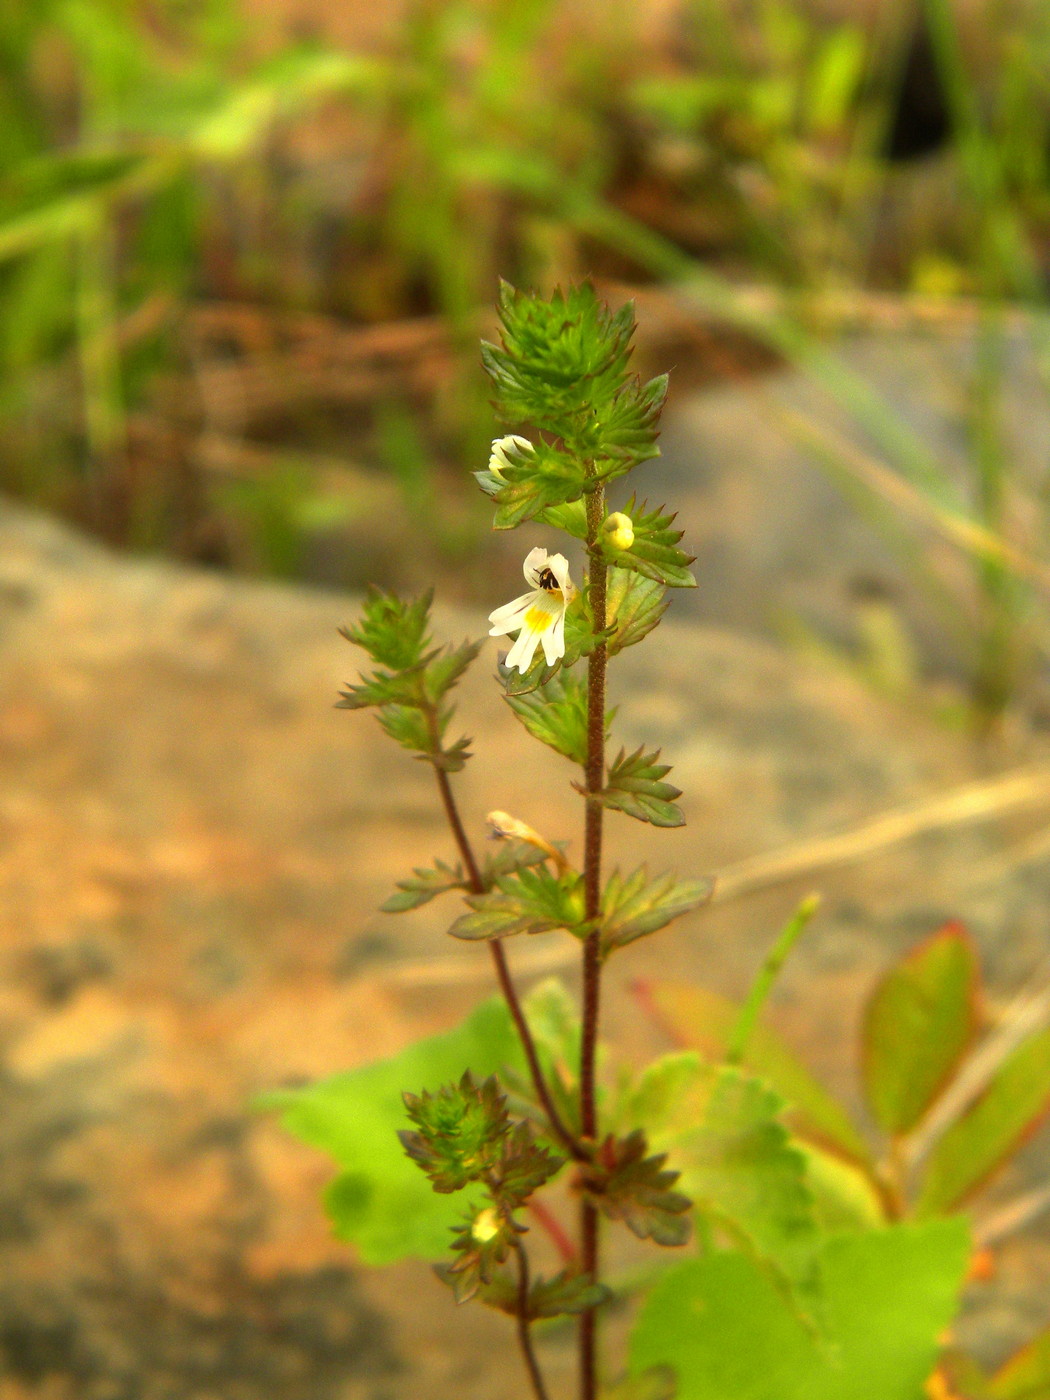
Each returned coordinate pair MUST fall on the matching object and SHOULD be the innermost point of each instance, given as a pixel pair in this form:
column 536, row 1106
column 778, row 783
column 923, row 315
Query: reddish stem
column 499, row 959
column 594, row 772
column 555, row 1231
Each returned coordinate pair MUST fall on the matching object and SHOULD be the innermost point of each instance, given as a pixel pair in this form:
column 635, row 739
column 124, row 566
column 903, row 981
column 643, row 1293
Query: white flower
column 538, row 616
column 498, row 459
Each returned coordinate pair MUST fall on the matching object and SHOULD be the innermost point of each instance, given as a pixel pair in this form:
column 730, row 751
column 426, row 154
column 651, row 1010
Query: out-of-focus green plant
column 952, row 1101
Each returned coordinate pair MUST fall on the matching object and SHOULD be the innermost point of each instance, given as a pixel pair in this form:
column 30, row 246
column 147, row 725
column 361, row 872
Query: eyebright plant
column 499, row 1126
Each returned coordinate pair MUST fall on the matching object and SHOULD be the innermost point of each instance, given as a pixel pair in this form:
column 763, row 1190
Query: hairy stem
column 510, row 993
column 594, row 773
column 524, row 1335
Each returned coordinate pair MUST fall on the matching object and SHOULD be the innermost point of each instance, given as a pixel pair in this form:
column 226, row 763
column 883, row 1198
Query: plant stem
column 499, row 959
column 594, row 773
column 524, row 1335
column 555, row 1232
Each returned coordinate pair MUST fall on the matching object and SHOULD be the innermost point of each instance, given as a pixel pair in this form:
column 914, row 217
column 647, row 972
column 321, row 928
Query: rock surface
column 193, row 844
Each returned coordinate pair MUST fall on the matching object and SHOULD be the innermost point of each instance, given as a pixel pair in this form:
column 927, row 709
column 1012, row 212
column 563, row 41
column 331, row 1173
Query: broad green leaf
column 917, row 1026
column 634, row 786
column 634, row 906
column 884, row 1297
column 995, row 1125
column 657, row 1384
column 844, row 1194
column 720, row 1127
column 701, row 1019
column 1026, row 1376
column 381, row 1201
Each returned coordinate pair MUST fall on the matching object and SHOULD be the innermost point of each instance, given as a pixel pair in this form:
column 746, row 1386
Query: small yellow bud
column 486, row 1225
column 618, row 530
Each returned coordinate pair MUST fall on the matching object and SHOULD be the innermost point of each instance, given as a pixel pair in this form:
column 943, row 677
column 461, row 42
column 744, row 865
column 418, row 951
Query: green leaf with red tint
column 995, row 1125
column 918, row 1024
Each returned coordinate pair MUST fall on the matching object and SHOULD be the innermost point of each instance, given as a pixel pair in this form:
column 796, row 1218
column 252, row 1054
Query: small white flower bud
column 618, row 530
column 498, row 459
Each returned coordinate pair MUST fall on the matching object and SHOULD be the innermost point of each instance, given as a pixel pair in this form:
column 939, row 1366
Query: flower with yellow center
column 537, row 617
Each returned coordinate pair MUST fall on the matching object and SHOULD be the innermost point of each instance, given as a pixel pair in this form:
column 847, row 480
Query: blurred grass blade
column 979, row 1142
column 918, row 1025
column 744, row 1026
column 699, row 1019
column 86, row 183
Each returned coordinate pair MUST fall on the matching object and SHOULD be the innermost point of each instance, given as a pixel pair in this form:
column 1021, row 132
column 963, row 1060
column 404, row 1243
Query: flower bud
column 618, row 531
column 486, row 1225
column 498, row 458
column 508, row 828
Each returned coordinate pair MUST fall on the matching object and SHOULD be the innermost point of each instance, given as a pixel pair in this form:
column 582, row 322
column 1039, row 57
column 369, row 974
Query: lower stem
column 524, row 1334
column 592, row 953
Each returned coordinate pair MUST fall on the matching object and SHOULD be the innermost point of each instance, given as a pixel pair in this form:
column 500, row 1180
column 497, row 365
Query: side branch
column 502, row 968
column 524, row 1335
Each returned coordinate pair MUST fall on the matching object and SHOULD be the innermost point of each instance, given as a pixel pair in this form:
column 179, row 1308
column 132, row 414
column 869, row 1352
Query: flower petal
column 534, row 563
column 559, row 567
column 523, row 650
column 511, row 615
column 554, row 640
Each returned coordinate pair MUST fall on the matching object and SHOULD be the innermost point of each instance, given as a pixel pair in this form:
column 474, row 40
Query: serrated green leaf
column 634, row 786
column 654, row 552
column 699, row 1018
column 392, row 630
column 721, row 1129
column 459, row 1130
column 506, row 858
column 556, row 714
column 885, row 1297
column 1026, row 1376
column 445, row 671
column 381, row 1201
column 531, row 484
column 563, row 1295
column 523, row 1168
column 917, row 1026
column 626, row 1183
column 980, row 1141
column 634, row 606
column 634, row 906
column 408, row 726
column 423, row 885
column 571, row 517
column 533, row 900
